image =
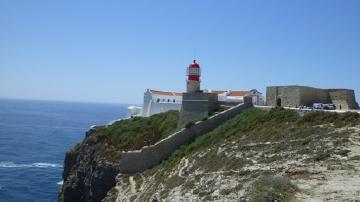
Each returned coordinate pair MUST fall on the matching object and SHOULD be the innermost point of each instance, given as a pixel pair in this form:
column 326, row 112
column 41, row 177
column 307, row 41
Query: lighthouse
column 193, row 74
column 196, row 104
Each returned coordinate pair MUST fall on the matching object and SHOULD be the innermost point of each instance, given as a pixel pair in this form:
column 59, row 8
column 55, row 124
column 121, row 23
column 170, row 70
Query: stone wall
column 195, row 106
column 289, row 95
column 309, row 95
column 343, row 97
column 294, row 96
column 150, row 156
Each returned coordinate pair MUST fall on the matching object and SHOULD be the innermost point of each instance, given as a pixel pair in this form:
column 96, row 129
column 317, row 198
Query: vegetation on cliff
column 91, row 166
column 277, row 125
column 132, row 134
column 258, row 155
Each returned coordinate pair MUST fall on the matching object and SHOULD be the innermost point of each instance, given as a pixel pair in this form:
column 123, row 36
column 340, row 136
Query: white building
column 134, row 111
column 161, row 101
column 238, row 96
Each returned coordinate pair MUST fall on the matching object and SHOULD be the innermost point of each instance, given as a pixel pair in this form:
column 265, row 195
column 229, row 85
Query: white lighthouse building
column 156, row 101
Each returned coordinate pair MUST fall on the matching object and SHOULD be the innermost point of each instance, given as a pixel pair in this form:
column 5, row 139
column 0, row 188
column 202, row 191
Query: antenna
column 194, row 54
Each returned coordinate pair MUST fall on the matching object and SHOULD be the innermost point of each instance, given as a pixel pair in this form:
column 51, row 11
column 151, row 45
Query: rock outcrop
column 90, row 169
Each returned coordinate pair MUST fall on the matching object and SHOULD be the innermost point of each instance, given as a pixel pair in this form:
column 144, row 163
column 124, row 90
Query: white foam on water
column 60, row 183
column 46, row 165
column 33, row 165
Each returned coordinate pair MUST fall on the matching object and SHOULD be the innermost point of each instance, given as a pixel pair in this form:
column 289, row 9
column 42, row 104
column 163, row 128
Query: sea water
column 34, row 137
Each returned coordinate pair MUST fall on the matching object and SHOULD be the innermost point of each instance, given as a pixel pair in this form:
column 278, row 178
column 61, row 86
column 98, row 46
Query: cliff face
column 90, row 168
column 325, row 167
column 89, row 173
column 256, row 156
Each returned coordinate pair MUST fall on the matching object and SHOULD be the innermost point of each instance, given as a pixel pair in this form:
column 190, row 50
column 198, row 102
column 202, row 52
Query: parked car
column 329, row 106
column 318, row 106
column 310, row 106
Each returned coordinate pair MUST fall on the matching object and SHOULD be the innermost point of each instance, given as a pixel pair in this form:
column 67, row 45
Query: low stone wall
column 150, row 156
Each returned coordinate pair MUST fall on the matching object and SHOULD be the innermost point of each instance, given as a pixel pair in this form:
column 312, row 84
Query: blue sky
column 111, row 51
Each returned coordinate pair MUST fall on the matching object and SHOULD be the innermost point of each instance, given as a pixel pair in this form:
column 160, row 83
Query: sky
column 112, row 51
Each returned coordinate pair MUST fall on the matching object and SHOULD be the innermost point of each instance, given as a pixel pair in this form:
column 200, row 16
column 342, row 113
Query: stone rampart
column 197, row 105
column 150, row 156
column 343, row 97
column 294, row 96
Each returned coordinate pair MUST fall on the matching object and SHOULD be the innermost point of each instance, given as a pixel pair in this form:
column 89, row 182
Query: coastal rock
column 89, row 173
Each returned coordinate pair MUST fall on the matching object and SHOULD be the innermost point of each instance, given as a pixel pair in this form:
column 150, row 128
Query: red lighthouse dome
column 193, row 74
column 193, row 71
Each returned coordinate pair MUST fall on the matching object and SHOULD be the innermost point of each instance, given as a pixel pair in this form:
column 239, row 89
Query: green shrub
column 321, row 156
column 189, row 124
column 279, row 114
column 245, row 121
column 350, row 117
column 355, row 158
column 140, row 131
column 343, row 152
column 272, row 188
column 339, row 120
column 278, row 124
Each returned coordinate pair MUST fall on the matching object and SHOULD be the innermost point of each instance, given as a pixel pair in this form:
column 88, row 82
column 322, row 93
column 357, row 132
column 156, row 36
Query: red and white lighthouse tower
column 193, row 81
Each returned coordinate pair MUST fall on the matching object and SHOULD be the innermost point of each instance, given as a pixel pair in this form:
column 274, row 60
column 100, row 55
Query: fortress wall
column 150, row 156
column 309, row 95
column 293, row 96
column 195, row 106
column 271, row 93
column 343, row 97
column 289, row 95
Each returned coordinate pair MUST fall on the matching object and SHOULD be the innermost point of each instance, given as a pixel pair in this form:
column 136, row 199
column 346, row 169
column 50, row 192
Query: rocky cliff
column 255, row 156
column 258, row 156
column 89, row 173
column 90, row 167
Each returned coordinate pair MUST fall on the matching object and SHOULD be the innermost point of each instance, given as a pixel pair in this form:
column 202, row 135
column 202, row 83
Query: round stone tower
column 193, row 81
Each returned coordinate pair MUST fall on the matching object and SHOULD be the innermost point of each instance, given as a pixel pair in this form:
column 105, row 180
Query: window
column 158, row 100
column 168, row 100
column 173, row 100
column 163, row 100
column 194, row 71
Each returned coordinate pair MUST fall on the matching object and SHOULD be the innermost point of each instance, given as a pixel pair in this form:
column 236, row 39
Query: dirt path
column 182, row 168
column 132, row 184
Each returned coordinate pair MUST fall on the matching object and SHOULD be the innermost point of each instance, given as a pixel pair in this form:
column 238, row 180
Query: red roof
column 157, row 92
column 232, row 93
column 218, row 91
column 237, row 93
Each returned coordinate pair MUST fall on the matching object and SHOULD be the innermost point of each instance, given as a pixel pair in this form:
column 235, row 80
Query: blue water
column 34, row 136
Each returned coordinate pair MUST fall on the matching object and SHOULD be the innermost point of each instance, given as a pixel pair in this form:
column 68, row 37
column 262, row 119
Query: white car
column 318, row 106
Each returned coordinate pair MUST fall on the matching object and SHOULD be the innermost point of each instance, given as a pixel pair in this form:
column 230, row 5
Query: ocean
column 34, row 136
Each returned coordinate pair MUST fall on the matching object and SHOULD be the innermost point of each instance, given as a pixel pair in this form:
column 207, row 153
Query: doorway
column 278, row 102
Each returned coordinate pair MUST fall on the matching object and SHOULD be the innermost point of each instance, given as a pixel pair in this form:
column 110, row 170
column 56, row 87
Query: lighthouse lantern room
column 193, row 81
